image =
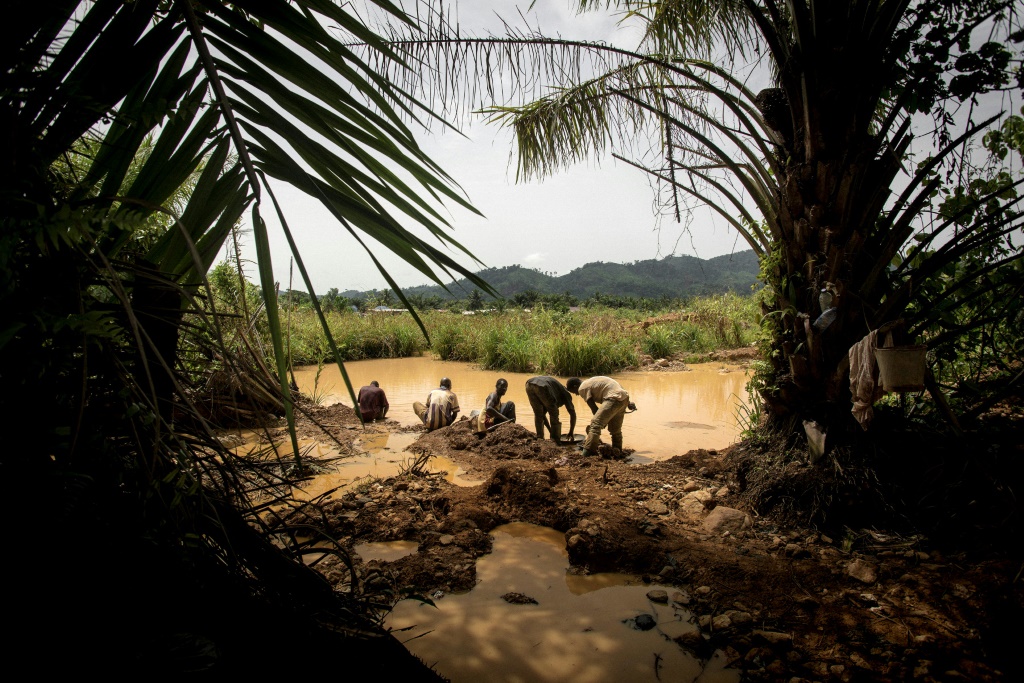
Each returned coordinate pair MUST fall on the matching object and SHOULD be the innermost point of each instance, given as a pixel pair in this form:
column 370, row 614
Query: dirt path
column 782, row 603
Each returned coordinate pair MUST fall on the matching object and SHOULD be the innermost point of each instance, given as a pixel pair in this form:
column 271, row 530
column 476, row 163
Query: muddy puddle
column 676, row 411
column 551, row 625
column 383, row 456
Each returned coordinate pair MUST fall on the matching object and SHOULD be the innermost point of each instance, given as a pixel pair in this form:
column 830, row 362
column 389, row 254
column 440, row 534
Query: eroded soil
column 784, row 601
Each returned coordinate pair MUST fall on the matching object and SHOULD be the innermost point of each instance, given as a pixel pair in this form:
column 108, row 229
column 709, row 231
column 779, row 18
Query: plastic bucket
column 901, row 368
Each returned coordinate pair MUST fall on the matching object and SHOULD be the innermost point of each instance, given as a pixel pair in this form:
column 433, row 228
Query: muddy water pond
column 676, row 411
column 529, row 619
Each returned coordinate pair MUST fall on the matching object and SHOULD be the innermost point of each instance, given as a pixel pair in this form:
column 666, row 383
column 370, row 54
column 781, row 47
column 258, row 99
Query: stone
column 739, row 617
column 518, row 599
column 863, row 571
column 795, row 550
column 681, row 598
column 693, row 503
column 721, row 622
column 772, row 637
column 642, row 622
column 691, row 640
column 703, row 590
column 657, row 595
column 656, row 507
column 723, row 519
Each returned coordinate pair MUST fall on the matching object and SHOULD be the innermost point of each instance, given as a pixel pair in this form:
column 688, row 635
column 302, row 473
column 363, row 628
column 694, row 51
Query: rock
column 657, row 595
column 575, row 540
column 656, row 507
column 722, row 492
column 723, row 519
column 681, row 598
column 863, row 571
column 446, row 539
column 721, row 622
column 703, row 590
column 795, row 550
column 772, row 637
column 641, row 622
column 693, row 503
column 738, row 617
column 691, row 640
column 690, row 485
column 518, row 599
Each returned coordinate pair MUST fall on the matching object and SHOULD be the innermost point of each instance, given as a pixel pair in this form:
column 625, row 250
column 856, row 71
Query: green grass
column 585, row 342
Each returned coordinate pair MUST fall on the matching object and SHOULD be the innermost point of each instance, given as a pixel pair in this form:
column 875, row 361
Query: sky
column 600, row 210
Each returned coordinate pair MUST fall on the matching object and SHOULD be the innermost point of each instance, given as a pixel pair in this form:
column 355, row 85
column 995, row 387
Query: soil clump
column 794, row 572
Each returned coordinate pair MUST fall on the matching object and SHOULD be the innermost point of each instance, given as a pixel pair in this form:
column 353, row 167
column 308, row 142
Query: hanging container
column 901, row 368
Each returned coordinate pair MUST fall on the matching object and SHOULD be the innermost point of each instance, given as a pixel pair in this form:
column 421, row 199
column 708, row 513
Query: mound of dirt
column 506, row 441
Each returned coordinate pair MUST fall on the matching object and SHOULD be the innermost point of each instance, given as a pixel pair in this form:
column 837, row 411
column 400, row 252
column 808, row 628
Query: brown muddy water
column 676, row 411
column 582, row 628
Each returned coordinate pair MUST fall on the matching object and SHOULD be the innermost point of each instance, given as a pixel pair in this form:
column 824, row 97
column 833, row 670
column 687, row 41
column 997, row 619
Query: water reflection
column 569, row 635
column 384, row 457
column 677, row 411
column 385, row 551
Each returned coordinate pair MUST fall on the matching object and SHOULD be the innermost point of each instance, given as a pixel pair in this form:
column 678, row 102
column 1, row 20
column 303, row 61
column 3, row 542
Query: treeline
column 332, row 300
column 673, row 278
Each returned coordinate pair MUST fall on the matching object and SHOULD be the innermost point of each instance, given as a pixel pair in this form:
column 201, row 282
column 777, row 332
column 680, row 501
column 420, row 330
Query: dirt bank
column 784, row 601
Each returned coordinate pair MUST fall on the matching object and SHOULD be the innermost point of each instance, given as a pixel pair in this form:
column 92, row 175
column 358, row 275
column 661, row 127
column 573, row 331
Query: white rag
column 864, row 386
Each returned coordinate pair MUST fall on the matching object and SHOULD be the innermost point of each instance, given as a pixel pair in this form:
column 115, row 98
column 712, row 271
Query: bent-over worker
column 373, row 403
column 608, row 402
column 546, row 394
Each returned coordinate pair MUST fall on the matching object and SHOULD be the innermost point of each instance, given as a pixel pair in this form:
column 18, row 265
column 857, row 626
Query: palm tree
column 136, row 136
column 814, row 171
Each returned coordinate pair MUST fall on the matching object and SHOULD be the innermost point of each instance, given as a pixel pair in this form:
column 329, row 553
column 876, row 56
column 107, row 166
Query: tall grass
column 585, row 342
column 660, row 342
column 589, row 355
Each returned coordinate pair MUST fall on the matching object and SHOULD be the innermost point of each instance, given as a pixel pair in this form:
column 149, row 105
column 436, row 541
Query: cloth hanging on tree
column 865, row 388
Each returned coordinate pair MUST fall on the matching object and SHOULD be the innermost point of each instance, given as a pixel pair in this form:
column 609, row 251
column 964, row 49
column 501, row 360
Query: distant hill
column 672, row 276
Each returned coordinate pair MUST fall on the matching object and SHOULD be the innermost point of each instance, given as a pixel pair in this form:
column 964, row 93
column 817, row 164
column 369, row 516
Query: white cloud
column 539, row 257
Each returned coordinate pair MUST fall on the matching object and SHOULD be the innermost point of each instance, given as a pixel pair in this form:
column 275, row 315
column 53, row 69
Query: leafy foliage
column 137, row 134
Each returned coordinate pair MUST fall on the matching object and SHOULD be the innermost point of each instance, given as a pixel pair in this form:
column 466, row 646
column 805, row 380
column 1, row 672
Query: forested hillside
column 671, row 277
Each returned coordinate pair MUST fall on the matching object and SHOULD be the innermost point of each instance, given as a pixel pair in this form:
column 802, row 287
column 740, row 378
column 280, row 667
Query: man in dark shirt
column 373, row 404
column 546, row 394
